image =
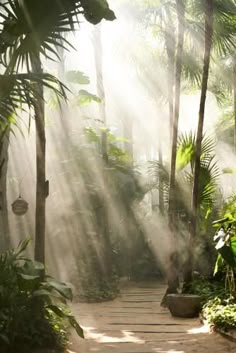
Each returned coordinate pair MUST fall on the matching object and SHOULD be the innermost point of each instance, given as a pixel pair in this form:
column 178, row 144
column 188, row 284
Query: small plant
column 33, row 310
column 221, row 313
column 226, row 248
column 207, row 289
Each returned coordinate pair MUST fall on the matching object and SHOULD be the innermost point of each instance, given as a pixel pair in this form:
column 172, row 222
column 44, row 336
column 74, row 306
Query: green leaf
column 77, row 77
column 85, row 98
column 76, row 326
column 218, row 264
column 28, row 277
column 228, row 255
column 233, row 246
column 96, row 10
column 185, row 150
column 61, row 288
column 221, row 221
column 22, row 246
column 59, row 312
column 38, row 266
column 42, row 292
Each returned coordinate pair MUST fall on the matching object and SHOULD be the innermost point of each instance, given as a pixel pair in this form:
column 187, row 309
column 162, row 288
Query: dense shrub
column 33, row 311
column 207, row 289
column 221, row 313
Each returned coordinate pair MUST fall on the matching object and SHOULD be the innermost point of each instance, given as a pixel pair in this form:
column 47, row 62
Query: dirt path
column 135, row 322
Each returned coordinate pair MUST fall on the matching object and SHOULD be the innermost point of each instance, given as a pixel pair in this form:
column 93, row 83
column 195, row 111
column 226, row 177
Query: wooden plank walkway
column 135, row 322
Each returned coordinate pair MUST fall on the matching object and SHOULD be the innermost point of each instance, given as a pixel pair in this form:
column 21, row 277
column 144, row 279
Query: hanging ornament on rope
column 19, row 206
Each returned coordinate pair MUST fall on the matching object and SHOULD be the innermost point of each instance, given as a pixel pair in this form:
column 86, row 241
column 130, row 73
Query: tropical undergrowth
column 33, row 306
column 111, row 242
column 221, row 313
column 220, row 309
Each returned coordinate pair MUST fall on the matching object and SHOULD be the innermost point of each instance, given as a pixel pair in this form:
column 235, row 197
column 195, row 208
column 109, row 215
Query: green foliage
column 17, row 90
column 221, row 313
column 84, row 98
column 33, row 311
column 207, row 289
column 117, row 156
column 77, row 77
column 209, row 174
column 93, row 288
column 96, row 10
column 226, row 248
column 21, row 38
column 185, row 151
column 226, row 239
column 225, row 127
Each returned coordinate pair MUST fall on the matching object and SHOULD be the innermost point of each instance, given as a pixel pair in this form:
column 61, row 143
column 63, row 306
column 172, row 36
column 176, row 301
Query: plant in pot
column 180, row 304
column 33, row 310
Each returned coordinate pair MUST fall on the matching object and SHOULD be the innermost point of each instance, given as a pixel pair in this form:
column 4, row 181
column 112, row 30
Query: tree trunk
column 103, row 222
column 64, row 128
column 128, row 134
column 170, row 43
column 180, row 13
column 195, row 193
column 4, row 225
column 41, row 184
column 98, row 49
column 161, row 184
column 172, row 271
column 234, row 93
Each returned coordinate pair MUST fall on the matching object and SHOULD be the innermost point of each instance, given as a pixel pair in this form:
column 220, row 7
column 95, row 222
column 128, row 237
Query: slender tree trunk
column 181, row 14
column 209, row 10
column 98, row 51
column 128, row 134
column 234, row 93
column 172, row 271
column 4, row 225
column 170, row 43
column 104, row 212
column 41, row 184
column 161, row 184
column 63, row 111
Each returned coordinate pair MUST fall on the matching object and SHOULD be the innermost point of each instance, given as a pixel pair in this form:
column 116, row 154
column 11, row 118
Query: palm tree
column 224, row 15
column 209, row 14
column 30, row 30
column 180, row 13
column 172, row 275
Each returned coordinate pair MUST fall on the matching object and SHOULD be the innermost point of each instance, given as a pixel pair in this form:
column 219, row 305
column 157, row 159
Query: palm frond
column 38, row 26
column 192, row 70
column 185, row 150
column 17, row 90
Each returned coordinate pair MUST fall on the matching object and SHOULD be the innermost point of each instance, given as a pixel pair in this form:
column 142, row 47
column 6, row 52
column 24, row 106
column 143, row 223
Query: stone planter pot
column 184, row 305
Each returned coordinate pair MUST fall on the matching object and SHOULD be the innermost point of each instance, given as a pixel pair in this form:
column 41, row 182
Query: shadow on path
column 135, row 322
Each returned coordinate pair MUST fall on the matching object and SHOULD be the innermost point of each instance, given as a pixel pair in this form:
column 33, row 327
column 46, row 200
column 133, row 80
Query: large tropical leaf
column 186, row 150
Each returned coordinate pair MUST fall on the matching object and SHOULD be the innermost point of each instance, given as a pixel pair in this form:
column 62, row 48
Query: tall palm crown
column 29, row 26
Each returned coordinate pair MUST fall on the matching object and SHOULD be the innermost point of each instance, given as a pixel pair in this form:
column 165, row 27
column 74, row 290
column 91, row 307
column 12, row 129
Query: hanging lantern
column 19, row 206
